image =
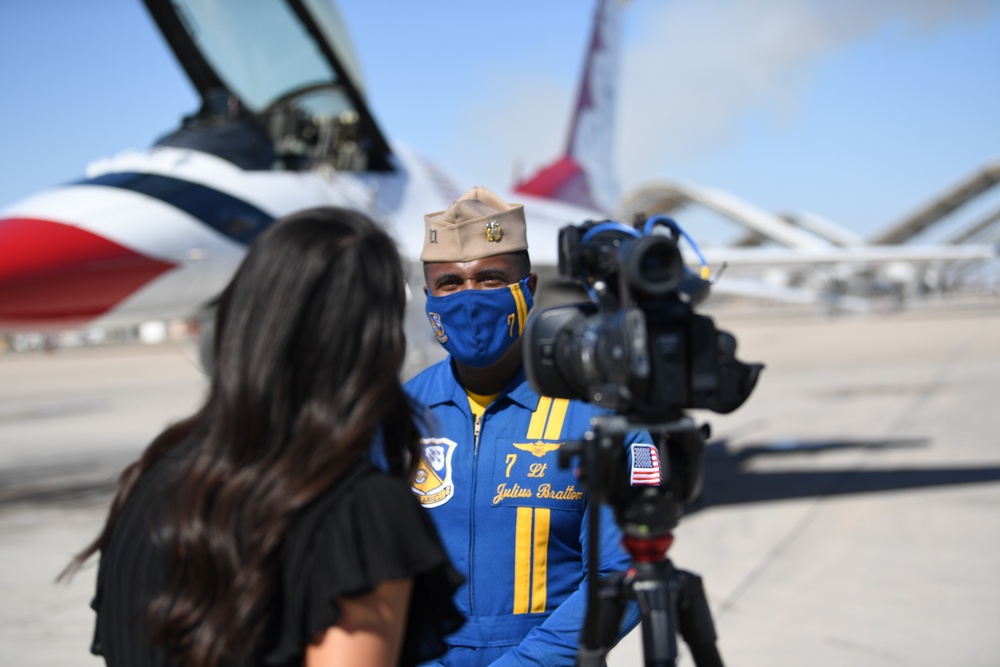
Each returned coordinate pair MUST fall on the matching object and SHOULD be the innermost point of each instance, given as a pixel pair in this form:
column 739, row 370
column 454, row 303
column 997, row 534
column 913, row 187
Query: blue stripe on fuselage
column 224, row 213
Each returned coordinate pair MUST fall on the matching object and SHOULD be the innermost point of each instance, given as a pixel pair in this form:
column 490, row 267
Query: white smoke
column 691, row 70
column 696, row 67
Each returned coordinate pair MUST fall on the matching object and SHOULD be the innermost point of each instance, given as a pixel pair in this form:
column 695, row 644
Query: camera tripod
column 671, row 601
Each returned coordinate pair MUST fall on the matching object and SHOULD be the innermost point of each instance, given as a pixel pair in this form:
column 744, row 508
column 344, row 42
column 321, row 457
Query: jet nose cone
column 57, row 275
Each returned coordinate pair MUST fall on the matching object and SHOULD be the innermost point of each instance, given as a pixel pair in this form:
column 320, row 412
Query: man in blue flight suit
column 514, row 522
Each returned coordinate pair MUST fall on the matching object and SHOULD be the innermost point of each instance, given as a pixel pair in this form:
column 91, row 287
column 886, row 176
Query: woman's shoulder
column 366, row 509
column 372, row 483
column 363, row 484
column 366, row 529
column 377, row 503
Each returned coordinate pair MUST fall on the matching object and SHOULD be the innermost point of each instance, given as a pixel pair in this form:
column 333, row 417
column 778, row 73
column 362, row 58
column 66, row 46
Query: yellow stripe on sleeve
column 537, row 424
column 554, row 429
column 540, row 561
column 522, row 560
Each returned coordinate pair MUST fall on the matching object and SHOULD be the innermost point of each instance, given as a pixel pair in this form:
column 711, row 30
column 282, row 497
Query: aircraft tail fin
column 585, row 174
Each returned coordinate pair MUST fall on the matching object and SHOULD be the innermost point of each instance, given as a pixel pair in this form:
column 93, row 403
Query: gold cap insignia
column 494, row 232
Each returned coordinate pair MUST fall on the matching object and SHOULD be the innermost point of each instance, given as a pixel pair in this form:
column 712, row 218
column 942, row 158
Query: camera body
column 638, row 348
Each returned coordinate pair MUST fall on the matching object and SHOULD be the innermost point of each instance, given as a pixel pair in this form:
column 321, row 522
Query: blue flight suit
column 513, row 521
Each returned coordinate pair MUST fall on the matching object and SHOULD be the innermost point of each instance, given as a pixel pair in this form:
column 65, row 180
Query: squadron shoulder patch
column 432, row 483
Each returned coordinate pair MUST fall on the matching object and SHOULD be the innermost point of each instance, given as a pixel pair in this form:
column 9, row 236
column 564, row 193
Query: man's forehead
column 505, row 263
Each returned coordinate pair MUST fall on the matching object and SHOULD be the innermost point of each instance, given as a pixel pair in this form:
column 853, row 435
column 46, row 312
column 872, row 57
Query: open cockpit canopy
column 279, row 83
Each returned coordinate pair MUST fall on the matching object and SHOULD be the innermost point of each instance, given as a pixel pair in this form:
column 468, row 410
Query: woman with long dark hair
column 255, row 532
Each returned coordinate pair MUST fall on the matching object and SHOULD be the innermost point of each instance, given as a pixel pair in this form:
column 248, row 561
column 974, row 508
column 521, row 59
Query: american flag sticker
column 645, row 465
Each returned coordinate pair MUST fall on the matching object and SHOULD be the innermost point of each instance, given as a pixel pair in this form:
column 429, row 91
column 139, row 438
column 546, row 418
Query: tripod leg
column 601, row 631
column 655, row 595
column 695, row 620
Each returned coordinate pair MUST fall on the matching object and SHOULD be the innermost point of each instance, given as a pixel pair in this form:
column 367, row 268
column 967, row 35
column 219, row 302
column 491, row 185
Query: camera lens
column 653, row 265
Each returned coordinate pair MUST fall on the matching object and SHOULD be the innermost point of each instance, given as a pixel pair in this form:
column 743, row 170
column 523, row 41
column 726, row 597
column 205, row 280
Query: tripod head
column 646, row 496
column 647, row 500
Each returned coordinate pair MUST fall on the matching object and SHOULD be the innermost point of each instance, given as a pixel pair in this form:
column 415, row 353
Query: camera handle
column 671, row 601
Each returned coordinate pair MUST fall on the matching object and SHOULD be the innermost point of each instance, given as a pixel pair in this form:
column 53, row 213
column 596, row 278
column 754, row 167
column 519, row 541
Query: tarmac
column 849, row 512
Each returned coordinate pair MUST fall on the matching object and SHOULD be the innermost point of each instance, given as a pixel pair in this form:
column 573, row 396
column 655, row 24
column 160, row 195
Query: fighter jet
column 283, row 125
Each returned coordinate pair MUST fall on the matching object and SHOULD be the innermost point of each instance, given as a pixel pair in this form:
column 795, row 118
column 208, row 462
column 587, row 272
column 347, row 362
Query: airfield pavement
column 850, row 512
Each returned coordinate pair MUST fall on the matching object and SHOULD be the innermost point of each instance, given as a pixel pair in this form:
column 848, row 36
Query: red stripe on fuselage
column 563, row 180
column 56, row 275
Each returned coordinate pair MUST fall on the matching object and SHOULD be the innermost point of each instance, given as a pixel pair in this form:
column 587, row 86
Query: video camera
column 638, row 348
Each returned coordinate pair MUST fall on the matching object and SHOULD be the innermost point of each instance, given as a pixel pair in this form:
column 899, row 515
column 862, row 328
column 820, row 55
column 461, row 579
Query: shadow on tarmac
column 74, row 482
column 727, row 481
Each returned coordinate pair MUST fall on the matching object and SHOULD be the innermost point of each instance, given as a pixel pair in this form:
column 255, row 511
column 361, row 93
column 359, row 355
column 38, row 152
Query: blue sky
column 857, row 110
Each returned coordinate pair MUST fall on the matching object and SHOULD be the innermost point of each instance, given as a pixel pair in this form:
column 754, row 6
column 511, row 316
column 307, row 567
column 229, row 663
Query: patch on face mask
column 438, row 327
column 432, row 484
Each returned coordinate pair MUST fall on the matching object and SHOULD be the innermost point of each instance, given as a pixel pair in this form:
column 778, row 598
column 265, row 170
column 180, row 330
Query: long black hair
column 308, row 348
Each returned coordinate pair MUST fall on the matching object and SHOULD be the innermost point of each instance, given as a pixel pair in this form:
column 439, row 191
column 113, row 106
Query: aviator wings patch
column 538, row 448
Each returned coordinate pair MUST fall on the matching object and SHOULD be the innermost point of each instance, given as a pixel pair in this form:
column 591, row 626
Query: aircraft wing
column 755, row 289
column 858, row 255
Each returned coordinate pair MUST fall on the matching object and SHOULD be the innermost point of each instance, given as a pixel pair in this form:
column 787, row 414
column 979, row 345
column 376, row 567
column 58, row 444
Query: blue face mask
column 478, row 326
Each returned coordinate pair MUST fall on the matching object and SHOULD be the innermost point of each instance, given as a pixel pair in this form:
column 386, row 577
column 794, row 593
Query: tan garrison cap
column 479, row 224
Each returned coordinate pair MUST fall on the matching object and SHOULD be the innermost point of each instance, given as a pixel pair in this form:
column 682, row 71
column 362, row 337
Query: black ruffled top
column 365, row 529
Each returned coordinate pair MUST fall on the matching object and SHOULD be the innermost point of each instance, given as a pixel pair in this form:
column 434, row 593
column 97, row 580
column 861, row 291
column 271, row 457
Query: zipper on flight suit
column 476, row 429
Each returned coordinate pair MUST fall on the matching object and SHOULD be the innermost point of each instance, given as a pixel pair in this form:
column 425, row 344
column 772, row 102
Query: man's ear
column 533, row 282
column 425, row 290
